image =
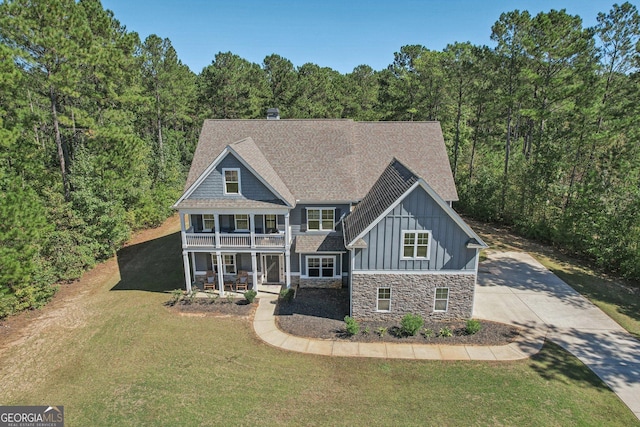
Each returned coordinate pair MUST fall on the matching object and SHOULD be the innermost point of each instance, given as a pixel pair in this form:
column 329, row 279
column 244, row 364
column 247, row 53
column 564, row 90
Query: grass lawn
column 114, row 355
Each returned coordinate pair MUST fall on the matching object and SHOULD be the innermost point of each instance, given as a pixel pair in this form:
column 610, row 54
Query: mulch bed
column 319, row 313
column 217, row 307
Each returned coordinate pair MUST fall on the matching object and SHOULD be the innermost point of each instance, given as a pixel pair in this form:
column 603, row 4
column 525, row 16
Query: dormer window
column 231, row 181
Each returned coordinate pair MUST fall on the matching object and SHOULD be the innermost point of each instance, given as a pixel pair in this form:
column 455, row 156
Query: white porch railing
column 270, row 240
column 234, row 240
column 200, row 239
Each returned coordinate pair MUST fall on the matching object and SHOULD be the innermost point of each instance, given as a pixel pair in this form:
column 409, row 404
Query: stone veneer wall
column 412, row 293
column 320, row 283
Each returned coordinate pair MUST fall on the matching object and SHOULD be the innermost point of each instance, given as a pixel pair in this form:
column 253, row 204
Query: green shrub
column 445, row 332
column 176, row 294
column 473, row 327
column 352, row 326
column 250, row 296
column 382, row 331
column 411, row 324
column 192, row 296
column 427, row 332
column 287, row 294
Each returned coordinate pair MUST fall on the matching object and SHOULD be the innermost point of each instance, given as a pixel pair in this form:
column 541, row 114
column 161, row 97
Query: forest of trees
column 98, row 127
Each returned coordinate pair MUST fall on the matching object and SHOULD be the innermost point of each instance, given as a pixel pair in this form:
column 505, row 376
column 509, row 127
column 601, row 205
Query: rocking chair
column 242, row 281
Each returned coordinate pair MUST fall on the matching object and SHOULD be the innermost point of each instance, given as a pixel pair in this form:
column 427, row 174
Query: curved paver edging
column 264, row 324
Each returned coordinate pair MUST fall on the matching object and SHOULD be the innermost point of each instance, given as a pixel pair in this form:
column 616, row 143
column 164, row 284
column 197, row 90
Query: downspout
column 351, row 268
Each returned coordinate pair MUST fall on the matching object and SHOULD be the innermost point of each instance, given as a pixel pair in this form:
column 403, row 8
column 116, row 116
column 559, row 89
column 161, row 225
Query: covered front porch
column 236, row 271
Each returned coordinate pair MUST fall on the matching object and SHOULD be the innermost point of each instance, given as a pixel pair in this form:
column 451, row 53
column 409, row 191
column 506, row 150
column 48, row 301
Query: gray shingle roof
column 332, row 160
column 319, row 243
column 392, row 183
column 228, row 203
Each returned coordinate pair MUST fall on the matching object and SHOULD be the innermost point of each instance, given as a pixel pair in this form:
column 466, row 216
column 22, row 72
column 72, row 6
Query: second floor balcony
column 233, row 240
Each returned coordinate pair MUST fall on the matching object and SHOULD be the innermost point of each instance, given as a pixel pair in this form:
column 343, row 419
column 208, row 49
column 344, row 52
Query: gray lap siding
column 411, row 294
column 251, row 187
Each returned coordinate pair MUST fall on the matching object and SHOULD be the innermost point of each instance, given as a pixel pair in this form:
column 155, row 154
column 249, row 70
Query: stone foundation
column 412, row 293
column 316, row 282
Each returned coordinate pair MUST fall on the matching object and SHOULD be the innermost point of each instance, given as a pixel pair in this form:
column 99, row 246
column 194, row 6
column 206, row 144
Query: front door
column 273, row 268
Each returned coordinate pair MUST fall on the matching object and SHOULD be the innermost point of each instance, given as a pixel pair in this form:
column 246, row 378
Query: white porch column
column 220, row 272
column 287, row 250
column 287, row 232
column 187, row 271
column 254, row 268
column 216, row 220
column 193, row 265
column 252, row 228
column 183, row 230
column 287, row 256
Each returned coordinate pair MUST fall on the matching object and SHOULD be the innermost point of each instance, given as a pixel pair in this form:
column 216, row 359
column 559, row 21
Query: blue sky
column 340, row 34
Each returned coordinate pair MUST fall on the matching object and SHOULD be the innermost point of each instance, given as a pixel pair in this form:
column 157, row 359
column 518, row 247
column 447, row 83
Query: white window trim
column 321, row 257
column 235, row 222
column 211, row 219
column 225, row 265
column 435, row 299
column 378, row 299
column 224, row 180
column 333, row 227
column 415, row 245
column 264, row 222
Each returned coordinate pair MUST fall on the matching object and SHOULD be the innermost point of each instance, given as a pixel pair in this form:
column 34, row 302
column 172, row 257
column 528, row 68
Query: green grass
column 130, row 361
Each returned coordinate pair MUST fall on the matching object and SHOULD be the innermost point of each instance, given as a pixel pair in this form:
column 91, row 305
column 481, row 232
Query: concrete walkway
column 515, row 288
column 265, row 326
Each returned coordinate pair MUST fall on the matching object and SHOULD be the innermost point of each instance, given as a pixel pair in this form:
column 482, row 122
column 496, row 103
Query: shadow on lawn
column 554, row 364
column 625, row 298
column 153, row 266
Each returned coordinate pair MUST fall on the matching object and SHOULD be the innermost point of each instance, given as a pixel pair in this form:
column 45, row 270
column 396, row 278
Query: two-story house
column 331, row 203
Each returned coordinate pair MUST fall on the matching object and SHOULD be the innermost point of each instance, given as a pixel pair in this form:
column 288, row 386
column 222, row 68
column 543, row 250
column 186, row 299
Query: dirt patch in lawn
column 67, row 309
column 319, row 313
column 214, row 307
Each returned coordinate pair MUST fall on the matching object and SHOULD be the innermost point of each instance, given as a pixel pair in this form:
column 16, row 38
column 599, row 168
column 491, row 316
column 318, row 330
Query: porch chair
column 210, row 280
column 228, row 284
column 242, row 281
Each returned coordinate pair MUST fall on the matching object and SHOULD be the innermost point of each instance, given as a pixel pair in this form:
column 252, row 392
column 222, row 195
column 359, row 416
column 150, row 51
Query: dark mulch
column 219, row 306
column 319, row 313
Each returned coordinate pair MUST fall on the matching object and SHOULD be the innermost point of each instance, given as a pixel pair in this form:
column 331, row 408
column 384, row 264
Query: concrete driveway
column 515, row 288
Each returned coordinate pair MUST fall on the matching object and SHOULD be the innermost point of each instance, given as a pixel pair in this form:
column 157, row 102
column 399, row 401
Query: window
column 320, row 266
column 231, row 181
column 270, row 224
column 320, row 219
column 384, row 299
column 415, row 244
column 208, row 222
column 442, row 299
column 242, row 222
column 229, row 262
